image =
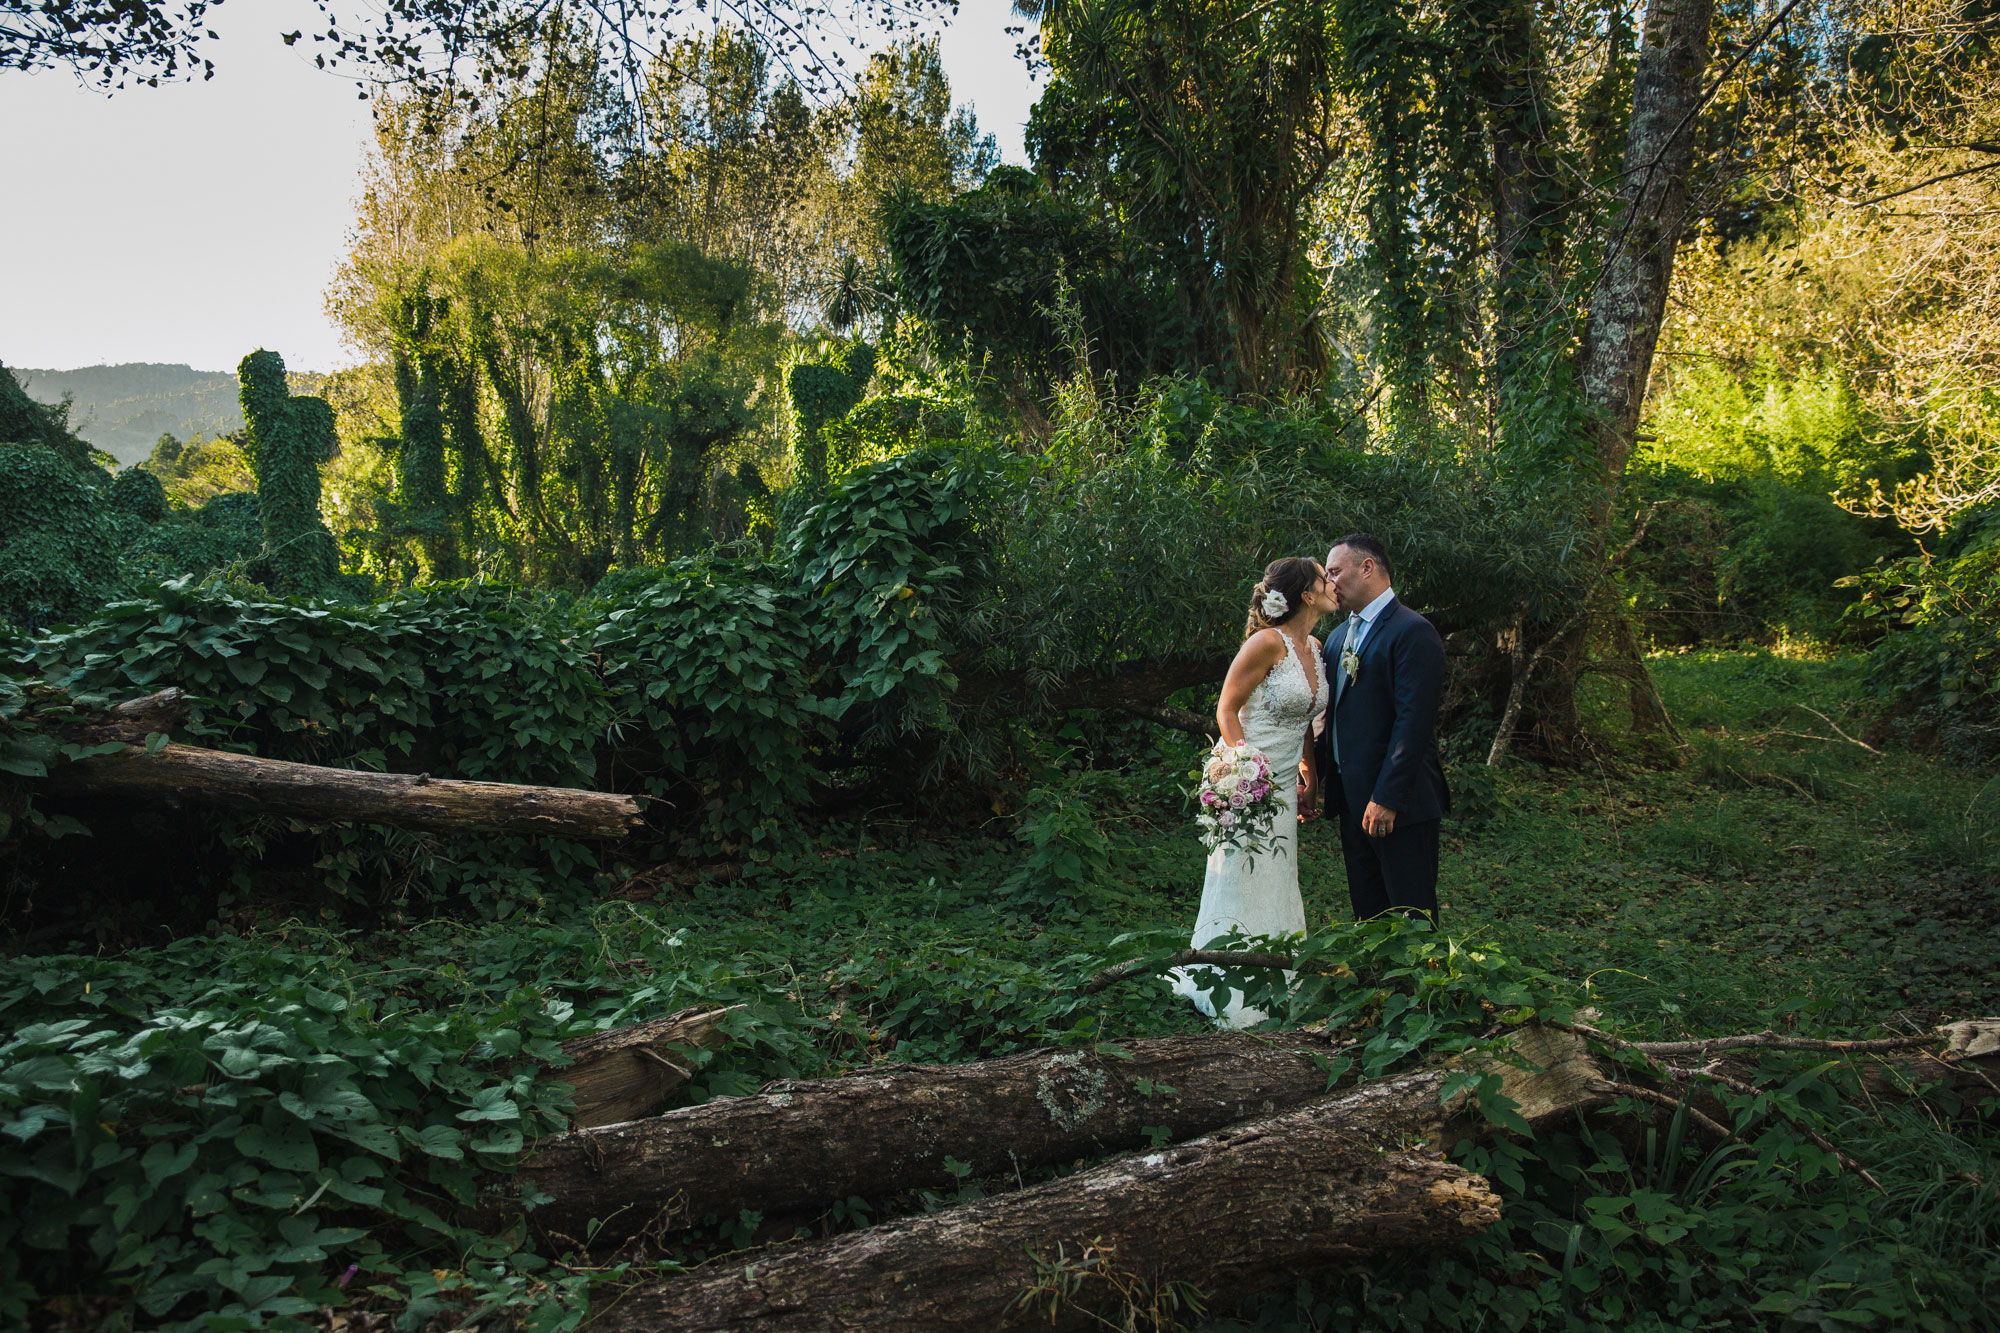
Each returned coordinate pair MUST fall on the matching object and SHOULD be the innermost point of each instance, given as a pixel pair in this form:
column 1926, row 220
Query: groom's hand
column 1378, row 821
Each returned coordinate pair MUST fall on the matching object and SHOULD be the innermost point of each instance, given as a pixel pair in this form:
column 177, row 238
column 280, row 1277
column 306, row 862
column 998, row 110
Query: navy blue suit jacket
column 1387, row 720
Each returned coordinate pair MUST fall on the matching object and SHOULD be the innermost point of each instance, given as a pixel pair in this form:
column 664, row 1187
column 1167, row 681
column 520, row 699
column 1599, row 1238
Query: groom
column 1379, row 745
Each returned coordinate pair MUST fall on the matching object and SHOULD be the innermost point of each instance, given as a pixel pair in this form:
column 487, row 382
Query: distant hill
column 124, row 410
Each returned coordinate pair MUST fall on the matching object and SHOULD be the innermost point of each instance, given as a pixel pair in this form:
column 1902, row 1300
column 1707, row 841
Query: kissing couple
column 1356, row 719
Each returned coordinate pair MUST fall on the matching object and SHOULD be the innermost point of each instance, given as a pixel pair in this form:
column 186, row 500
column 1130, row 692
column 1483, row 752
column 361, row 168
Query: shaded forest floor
column 1784, row 877
column 1784, row 869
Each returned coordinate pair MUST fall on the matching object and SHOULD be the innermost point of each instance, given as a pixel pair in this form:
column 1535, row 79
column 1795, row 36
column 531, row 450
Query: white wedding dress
column 1260, row 896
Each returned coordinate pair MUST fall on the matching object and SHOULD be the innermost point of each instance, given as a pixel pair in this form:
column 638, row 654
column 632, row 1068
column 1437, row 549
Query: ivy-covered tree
column 989, row 272
column 59, row 550
column 822, row 389
column 288, row 438
column 1205, row 129
column 25, row 421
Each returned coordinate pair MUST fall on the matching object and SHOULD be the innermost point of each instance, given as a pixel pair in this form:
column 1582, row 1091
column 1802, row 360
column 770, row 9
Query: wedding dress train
column 1261, row 896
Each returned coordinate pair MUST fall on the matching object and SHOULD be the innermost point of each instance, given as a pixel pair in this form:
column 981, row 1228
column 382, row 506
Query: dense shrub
column 908, row 619
column 710, row 670
column 1744, row 558
column 73, row 536
column 139, row 493
column 25, row 421
column 1736, row 480
column 1937, row 669
column 58, row 545
column 226, row 533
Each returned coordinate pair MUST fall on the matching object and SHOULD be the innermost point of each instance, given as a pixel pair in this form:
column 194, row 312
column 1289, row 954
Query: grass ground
column 1785, row 876
column 1784, row 867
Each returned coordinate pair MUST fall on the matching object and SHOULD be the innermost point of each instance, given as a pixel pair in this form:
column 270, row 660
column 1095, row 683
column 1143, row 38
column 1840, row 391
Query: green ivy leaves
column 220, row 1155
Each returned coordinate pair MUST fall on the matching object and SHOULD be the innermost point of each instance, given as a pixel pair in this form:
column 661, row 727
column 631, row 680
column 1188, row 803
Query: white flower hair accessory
column 1275, row 603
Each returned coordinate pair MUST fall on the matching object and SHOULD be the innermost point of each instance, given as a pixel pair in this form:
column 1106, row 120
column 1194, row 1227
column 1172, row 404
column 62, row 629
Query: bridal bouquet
column 1239, row 800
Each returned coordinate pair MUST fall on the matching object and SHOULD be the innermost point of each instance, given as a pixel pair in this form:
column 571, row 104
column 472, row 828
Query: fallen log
column 799, row 1145
column 885, row 1131
column 1969, row 1063
column 1218, row 1217
column 244, row 782
column 131, row 722
column 632, row 1071
column 1214, row 1219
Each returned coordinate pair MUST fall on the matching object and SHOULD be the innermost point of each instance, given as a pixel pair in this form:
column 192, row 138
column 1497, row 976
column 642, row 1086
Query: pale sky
column 196, row 222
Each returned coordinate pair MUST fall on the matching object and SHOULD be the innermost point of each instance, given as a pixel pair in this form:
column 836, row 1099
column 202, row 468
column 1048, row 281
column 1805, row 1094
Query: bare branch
column 1923, row 184
column 1714, row 1127
column 1837, row 731
column 1771, row 1041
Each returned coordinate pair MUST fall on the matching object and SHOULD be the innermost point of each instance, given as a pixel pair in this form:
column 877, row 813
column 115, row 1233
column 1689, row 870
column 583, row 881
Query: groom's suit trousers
column 1396, row 873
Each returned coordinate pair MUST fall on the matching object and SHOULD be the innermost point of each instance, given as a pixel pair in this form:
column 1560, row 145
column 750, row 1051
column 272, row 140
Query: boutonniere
column 1350, row 664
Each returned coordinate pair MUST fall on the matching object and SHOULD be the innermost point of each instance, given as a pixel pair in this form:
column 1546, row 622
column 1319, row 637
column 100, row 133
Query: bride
column 1275, row 688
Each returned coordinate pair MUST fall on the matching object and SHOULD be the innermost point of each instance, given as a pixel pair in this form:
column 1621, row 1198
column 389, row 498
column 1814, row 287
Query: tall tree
column 1205, row 128
column 577, row 318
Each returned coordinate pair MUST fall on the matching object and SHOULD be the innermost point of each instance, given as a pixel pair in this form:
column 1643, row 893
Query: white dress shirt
column 1368, row 616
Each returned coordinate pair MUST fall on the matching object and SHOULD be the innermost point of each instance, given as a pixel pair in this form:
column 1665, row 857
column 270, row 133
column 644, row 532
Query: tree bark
column 1214, row 1219
column 1616, row 356
column 631, row 1072
column 270, row 786
column 1648, row 711
column 796, row 1146
column 132, row 721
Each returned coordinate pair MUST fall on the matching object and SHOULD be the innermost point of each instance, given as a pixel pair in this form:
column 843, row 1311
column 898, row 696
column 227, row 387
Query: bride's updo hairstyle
column 1292, row 578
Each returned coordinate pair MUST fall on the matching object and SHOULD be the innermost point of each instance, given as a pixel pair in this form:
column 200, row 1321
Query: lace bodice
column 1284, row 704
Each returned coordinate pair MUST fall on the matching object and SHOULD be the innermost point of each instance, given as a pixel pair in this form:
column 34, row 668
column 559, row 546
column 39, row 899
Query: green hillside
column 124, row 409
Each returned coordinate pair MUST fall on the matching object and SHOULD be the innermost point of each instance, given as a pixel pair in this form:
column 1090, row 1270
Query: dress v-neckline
column 1297, row 655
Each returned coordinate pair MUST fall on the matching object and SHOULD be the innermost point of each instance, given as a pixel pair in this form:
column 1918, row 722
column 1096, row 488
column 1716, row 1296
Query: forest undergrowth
column 312, row 1098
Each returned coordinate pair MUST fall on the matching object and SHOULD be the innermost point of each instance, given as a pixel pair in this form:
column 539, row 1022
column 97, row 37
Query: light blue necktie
column 1355, row 624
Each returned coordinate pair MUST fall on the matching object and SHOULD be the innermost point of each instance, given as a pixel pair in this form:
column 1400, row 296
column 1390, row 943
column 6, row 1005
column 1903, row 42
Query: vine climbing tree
column 289, row 437
column 1205, row 130
column 822, row 389
column 1569, row 209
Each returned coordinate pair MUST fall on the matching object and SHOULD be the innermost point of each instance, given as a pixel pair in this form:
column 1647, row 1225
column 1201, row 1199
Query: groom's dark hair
column 1366, row 543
